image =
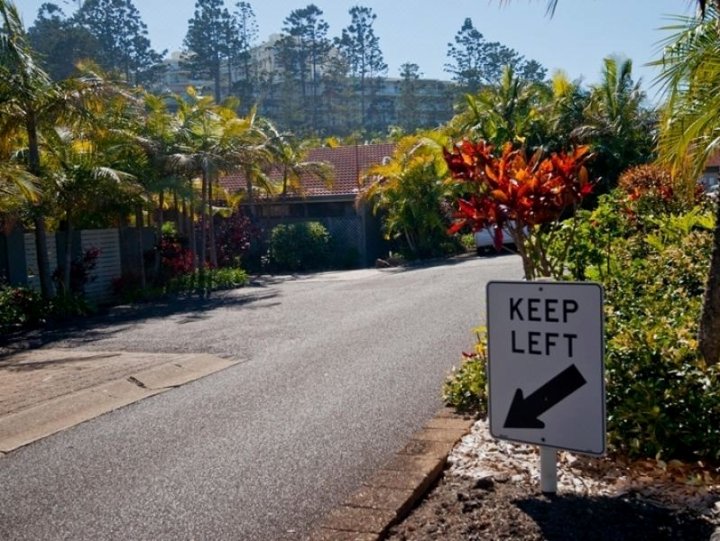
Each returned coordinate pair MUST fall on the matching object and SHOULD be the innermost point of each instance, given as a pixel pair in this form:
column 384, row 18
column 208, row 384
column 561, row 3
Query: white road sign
column 545, row 364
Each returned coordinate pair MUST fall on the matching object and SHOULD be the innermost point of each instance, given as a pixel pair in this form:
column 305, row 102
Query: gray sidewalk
column 44, row 391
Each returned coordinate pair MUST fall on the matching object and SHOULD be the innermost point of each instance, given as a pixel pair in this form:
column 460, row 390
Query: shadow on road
column 14, row 365
column 448, row 261
column 116, row 319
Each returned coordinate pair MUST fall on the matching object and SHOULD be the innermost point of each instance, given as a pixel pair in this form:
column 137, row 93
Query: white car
column 485, row 240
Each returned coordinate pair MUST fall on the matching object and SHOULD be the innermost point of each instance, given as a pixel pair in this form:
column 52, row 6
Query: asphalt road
column 338, row 370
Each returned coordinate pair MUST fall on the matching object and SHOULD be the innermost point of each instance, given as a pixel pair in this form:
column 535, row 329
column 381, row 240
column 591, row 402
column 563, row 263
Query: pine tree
column 476, row 62
column 206, row 41
column 303, row 52
column 246, row 29
column 409, row 102
column 59, row 41
column 122, row 39
column 361, row 49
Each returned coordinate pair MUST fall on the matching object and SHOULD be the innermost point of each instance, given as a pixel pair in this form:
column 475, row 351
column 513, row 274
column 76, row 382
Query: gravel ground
column 490, row 491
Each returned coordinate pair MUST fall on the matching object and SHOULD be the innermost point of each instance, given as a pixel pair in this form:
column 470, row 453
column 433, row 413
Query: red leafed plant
column 509, row 191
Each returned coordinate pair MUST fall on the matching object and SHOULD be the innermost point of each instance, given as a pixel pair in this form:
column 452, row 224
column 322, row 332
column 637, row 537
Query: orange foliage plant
column 525, row 196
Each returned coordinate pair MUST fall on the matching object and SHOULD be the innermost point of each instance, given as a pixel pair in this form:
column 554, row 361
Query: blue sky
column 576, row 39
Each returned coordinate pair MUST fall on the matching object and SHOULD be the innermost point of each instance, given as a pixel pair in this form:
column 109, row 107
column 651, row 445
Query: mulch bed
column 491, row 491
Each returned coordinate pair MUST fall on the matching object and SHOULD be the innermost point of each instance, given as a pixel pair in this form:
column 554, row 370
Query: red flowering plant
column 525, row 196
column 177, row 258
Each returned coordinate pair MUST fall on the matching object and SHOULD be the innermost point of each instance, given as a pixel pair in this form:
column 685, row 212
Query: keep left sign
column 545, row 364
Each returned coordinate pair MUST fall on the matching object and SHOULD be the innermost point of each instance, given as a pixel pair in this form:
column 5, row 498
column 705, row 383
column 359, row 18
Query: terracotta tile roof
column 347, row 162
column 714, row 160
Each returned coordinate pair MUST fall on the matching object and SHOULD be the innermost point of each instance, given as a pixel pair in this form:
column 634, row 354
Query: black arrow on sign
column 524, row 412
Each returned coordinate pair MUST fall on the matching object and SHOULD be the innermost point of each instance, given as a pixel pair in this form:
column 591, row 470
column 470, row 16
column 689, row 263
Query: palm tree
column 199, row 152
column 18, row 186
column 155, row 131
column 290, row 157
column 565, row 112
column 31, row 104
column 702, row 4
column 616, row 125
column 510, row 111
column 410, row 191
column 212, row 139
column 690, row 134
column 80, row 166
column 24, row 86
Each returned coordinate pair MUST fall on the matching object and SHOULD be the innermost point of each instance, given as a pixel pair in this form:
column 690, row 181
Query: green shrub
column 662, row 399
column 466, row 387
column 299, row 247
column 67, row 305
column 20, row 307
column 209, row 280
column 467, row 241
column 228, row 278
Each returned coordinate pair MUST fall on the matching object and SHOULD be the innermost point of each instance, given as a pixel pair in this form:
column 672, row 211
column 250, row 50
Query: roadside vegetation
column 649, row 235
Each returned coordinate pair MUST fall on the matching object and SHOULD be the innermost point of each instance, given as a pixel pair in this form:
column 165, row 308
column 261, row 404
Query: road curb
column 390, row 494
column 34, row 423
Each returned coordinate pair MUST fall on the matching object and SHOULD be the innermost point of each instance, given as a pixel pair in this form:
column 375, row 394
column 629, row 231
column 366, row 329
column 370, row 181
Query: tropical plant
column 410, row 193
column 511, row 111
column 289, row 156
column 616, row 125
column 81, row 178
column 526, row 196
column 24, row 87
column 213, row 139
column 689, row 133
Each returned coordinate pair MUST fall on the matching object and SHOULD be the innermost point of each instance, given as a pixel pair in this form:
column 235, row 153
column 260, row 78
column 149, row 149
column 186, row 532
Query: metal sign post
column 548, row 470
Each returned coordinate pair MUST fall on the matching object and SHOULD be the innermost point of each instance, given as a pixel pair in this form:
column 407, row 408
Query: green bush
column 67, row 305
column 662, row 399
column 20, row 307
column 299, row 247
column 228, row 278
column 467, row 241
column 466, row 387
column 209, row 280
column 23, row 307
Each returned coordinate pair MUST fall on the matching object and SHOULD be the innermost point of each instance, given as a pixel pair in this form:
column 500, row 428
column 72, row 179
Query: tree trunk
column 211, row 227
column 709, row 332
column 159, row 235
column 140, row 246
column 67, row 271
column 178, row 217
column 46, row 285
column 250, row 196
column 191, row 230
column 216, row 77
column 203, row 230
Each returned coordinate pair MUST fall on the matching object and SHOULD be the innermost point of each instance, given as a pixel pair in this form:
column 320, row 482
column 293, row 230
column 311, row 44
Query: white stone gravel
column 677, row 485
